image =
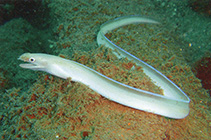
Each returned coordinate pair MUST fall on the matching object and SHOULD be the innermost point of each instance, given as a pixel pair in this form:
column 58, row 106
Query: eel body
column 173, row 104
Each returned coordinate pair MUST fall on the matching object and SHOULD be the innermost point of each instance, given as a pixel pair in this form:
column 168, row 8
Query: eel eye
column 32, row 59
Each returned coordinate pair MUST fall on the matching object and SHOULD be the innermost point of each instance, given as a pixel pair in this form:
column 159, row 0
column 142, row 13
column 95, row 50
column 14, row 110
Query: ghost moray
column 173, row 104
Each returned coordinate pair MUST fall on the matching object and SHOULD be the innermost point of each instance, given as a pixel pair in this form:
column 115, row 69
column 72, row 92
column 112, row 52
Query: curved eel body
column 173, row 104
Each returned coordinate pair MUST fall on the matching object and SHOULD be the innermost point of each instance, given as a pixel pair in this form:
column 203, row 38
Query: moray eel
column 173, row 104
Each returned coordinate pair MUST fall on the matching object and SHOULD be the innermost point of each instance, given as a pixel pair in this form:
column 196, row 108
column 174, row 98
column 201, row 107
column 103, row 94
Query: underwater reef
column 202, row 70
column 36, row 105
column 201, row 6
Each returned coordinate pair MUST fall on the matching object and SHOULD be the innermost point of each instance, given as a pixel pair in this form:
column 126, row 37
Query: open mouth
column 28, row 64
column 31, row 62
column 25, row 65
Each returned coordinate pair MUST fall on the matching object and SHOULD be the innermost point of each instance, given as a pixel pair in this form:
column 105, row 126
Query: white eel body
column 173, row 104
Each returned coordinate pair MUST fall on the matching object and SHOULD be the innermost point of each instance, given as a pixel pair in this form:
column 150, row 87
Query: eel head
column 34, row 61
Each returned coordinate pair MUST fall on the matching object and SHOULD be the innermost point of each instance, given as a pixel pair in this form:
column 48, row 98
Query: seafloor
column 39, row 106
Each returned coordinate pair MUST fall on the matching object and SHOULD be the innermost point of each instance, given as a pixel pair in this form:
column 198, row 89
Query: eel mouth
column 28, row 64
